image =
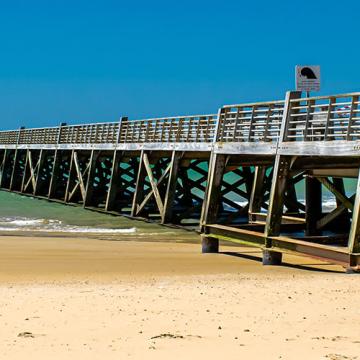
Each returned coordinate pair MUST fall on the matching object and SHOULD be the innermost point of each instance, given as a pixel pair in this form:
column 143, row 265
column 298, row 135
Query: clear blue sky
column 87, row 61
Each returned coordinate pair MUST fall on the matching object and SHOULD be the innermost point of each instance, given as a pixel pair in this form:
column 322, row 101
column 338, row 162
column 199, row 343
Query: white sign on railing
column 307, row 77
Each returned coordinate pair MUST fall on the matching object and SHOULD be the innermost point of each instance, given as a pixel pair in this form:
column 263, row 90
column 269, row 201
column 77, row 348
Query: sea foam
column 49, row 225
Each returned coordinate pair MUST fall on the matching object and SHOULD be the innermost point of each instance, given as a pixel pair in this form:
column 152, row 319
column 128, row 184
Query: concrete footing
column 209, row 244
column 271, row 257
column 352, row 270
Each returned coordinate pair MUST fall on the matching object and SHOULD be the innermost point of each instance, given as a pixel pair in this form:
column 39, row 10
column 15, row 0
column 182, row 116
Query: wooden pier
column 233, row 175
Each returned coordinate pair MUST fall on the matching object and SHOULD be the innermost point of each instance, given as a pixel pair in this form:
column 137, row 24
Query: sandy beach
column 65, row 298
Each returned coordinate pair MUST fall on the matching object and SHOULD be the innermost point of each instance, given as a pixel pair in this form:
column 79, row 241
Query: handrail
column 321, row 118
column 324, row 118
column 198, row 128
column 255, row 122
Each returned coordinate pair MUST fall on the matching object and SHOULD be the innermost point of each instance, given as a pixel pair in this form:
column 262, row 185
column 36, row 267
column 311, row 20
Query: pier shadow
column 305, row 267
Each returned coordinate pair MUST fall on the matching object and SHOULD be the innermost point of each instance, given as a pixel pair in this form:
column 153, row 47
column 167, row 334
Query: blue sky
column 90, row 61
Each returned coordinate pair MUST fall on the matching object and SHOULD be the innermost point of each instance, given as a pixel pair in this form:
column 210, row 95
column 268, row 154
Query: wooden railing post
column 354, row 101
column 60, row 132
column 20, row 131
column 122, row 121
column 218, row 124
column 290, row 95
column 56, row 163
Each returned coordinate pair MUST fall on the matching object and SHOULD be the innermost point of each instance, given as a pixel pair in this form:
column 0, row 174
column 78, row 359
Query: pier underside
column 303, row 224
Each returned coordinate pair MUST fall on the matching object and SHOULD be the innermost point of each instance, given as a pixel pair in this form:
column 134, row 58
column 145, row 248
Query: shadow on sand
column 257, row 256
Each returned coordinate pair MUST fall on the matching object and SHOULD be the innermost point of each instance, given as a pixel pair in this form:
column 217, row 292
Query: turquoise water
column 26, row 215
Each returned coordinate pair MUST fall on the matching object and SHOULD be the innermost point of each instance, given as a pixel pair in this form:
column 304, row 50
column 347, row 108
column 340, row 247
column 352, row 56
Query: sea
column 27, row 216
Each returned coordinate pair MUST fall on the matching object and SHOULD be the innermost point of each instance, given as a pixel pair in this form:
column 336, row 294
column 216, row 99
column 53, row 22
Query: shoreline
column 31, row 259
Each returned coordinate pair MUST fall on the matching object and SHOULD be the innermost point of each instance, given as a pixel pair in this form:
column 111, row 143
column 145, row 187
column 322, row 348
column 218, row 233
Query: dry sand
column 91, row 299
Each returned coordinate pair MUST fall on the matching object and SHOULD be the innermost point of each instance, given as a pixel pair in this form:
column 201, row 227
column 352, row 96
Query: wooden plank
column 257, row 192
column 276, row 205
column 3, row 166
column 350, row 173
column 321, row 223
column 54, row 174
column 354, row 235
column 213, row 191
column 23, row 180
column 32, row 170
column 33, row 173
column 185, row 187
column 139, row 188
column 344, row 219
column 309, row 117
column 252, row 121
column 171, row 188
column 71, row 170
column 114, row 180
column 341, row 197
column 328, row 118
column 153, row 184
column 80, row 176
column 151, row 192
column 90, row 169
column 41, row 161
column 285, row 122
column 313, row 203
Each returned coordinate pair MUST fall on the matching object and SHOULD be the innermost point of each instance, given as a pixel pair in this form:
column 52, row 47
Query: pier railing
column 324, row 118
column 102, row 133
column 251, row 122
column 198, row 128
column 9, row 137
column 38, row 136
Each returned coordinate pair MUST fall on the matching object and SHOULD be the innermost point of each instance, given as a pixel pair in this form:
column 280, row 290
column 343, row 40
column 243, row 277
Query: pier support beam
column 313, row 203
column 213, row 192
column 209, row 244
column 3, row 167
column 167, row 215
column 89, row 189
column 257, row 193
column 80, row 165
column 38, row 183
column 276, row 206
column 14, row 173
column 114, row 181
column 354, row 235
column 54, row 174
column 139, row 188
column 344, row 218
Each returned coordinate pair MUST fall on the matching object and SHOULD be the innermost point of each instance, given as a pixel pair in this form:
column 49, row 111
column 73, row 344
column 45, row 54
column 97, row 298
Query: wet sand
column 81, row 298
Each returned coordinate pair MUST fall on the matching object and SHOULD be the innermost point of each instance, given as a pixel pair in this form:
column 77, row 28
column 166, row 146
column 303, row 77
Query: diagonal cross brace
column 341, row 197
column 154, row 186
column 80, row 176
column 33, row 171
column 2, row 164
column 332, row 215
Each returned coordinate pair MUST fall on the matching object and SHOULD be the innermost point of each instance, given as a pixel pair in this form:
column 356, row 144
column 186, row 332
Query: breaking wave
column 48, row 225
